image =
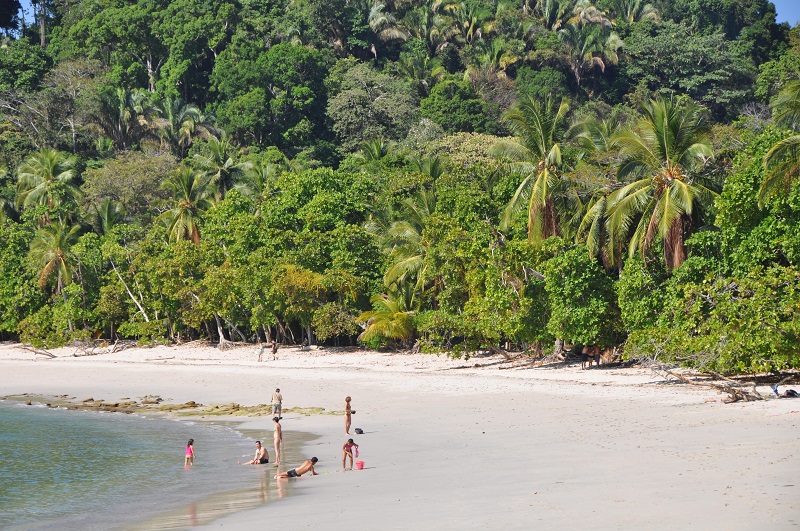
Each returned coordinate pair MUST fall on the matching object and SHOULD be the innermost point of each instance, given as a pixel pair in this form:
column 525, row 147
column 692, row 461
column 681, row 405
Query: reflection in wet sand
column 264, row 490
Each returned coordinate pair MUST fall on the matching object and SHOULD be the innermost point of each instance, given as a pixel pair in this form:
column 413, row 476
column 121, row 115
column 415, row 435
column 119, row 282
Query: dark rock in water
column 88, row 400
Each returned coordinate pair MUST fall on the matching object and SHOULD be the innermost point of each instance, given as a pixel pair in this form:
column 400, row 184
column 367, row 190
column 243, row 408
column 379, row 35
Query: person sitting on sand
column 188, row 460
column 296, row 472
column 261, row 457
column 347, row 451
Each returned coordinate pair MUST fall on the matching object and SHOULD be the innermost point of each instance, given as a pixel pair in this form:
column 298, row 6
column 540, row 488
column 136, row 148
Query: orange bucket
column 359, row 465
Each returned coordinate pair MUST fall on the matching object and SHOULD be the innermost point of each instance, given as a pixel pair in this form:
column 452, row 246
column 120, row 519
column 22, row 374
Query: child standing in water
column 348, row 411
column 188, row 460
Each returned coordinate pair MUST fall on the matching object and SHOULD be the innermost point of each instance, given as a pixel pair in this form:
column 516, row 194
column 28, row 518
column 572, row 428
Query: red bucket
column 359, row 465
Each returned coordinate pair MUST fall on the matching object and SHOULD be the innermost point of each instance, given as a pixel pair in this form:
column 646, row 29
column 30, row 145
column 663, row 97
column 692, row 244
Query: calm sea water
column 63, row 469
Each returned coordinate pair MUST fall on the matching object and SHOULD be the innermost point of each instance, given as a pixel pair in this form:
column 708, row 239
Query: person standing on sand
column 261, row 457
column 296, row 472
column 188, row 459
column 277, row 402
column 348, row 411
column 347, row 451
column 277, row 437
column 260, row 350
column 274, row 349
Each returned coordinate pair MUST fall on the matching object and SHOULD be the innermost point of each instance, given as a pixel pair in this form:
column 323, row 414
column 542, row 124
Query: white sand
column 451, row 446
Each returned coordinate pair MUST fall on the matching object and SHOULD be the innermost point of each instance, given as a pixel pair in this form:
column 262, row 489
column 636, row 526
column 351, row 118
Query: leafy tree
column 22, row 65
column 581, row 299
column 19, row 296
column 131, row 180
column 455, row 106
column 663, row 154
column 668, row 58
column 366, row 104
column 586, row 48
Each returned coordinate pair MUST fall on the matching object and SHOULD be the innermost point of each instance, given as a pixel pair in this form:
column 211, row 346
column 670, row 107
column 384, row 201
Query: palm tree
column 221, row 166
column 422, row 71
column 782, row 161
column 633, row 11
column 587, row 48
column 47, row 179
column 124, row 116
column 374, row 150
column 390, row 319
column 536, row 155
column 553, row 13
column 181, row 123
column 192, row 194
column 107, row 215
column 50, row 249
column 663, row 154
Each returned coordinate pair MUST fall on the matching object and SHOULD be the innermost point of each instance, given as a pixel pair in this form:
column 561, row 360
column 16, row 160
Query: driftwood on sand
column 39, row 351
column 736, row 391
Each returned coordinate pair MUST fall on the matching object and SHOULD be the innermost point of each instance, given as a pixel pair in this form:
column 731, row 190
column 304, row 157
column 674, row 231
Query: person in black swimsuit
column 298, row 471
column 261, row 457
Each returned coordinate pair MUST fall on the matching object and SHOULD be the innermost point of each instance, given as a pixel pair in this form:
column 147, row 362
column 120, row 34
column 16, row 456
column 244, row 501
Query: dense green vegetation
column 459, row 175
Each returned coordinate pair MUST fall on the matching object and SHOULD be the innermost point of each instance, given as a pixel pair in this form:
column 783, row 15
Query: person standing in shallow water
column 348, row 412
column 277, row 439
column 188, row 459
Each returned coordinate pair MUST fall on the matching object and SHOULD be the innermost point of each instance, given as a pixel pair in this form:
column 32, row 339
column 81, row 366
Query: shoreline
column 450, row 444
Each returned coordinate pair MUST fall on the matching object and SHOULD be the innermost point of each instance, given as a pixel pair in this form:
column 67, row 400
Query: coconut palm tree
column 181, row 123
column 125, row 116
column 106, row 215
column 587, row 48
column 390, row 319
column 192, row 194
column 50, row 249
column 633, row 11
column 663, row 155
column 782, row 161
column 535, row 154
column 47, row 179
column 220, row 164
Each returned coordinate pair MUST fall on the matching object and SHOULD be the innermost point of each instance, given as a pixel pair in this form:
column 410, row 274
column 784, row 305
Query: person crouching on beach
column 296, row 472
column 347, row 451
column 348, row 411
column 188, row 459
column 261, row 457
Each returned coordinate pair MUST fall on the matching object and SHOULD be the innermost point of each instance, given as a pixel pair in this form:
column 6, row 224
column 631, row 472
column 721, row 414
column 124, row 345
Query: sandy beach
column 455, row 444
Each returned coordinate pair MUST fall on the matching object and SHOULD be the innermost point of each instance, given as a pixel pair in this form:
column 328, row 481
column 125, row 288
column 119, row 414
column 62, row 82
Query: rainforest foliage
column 455, row 175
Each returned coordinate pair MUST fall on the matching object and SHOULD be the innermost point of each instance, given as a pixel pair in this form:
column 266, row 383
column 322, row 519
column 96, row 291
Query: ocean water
column 62, row 469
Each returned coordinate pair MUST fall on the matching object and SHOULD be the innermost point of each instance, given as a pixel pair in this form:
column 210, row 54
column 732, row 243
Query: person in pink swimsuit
column 188, row 459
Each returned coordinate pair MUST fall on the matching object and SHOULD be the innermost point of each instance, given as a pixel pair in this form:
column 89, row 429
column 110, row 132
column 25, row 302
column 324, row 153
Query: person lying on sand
column 261, row 457
column 296, row 472
column 789, row 393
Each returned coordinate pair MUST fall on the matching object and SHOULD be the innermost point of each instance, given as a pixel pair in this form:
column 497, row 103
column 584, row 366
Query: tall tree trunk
column 42, row 23
column 558, row 348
